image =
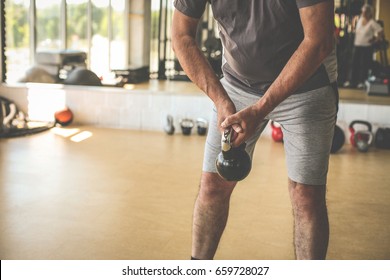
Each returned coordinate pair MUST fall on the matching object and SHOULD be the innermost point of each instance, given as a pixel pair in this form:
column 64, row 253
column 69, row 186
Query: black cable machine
column 346, row 16
column 211, row 46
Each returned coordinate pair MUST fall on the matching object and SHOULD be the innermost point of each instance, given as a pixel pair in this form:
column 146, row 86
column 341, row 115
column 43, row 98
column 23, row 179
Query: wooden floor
column 129, row 195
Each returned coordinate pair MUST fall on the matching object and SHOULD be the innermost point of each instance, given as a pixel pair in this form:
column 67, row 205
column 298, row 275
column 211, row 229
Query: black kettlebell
column 186, row 126
column 233, row 164
column 201, row 126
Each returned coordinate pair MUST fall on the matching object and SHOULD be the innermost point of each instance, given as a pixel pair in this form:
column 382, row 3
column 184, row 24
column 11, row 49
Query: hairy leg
column 311, row 225
column 210, row 214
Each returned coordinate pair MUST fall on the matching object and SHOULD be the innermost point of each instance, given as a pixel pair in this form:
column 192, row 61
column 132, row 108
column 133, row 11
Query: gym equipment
column 277, row 133
column 338, row 139
column 133, row 75
column 361, row 139
column 378, row 86
column 60, row 63
column 346, row 14
column 382, row 138
column 63, row 117
column 186, row 126
column 168, row 66
column 202, row 126
column 378, row 81
column 82, row 77
column 14, row 123
column 233, row 164
column 37, row 74
column 169, row 128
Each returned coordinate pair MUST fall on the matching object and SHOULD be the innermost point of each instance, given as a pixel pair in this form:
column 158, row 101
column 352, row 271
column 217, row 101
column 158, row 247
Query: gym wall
column 146, row 109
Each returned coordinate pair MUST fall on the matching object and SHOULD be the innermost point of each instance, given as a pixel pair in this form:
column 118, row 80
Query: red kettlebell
column 277, row 133
column 353, row 131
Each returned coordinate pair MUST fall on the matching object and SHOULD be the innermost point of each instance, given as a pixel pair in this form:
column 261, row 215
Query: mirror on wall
column 85, row 35
column 117, row 41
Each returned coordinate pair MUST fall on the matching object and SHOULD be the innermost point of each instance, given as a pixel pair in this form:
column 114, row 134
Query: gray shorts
column 307, row 121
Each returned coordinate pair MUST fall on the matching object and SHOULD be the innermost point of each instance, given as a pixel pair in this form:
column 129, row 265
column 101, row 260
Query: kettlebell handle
column 275, row 126
column 369, row 127
column 226, row 143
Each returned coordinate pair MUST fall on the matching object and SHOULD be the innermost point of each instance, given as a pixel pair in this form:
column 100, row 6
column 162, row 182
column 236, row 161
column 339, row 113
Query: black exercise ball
column 82, row 77
column 338, row 140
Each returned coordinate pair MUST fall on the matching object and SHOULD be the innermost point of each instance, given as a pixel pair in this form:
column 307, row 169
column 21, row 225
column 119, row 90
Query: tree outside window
column 17, row 37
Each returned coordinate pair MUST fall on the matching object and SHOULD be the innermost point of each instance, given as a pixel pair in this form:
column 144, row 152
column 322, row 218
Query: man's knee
column 307, row 199
column 214, row 187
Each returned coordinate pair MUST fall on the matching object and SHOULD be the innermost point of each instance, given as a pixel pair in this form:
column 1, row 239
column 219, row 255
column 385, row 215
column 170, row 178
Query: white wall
column 108, row 106
column 145, row 109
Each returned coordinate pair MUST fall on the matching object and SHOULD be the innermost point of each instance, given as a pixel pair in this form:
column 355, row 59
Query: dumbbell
column 361, row 139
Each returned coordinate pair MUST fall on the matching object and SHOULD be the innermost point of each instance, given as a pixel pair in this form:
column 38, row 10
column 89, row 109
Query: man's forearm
column 304, row 62
column 198, row 68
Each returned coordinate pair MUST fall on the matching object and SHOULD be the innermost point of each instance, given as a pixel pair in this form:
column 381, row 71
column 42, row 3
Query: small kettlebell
column 169, row 128
column 363, row 139
column 233, row 164
column 186, row 126
column 201, row 126
column 277, row 133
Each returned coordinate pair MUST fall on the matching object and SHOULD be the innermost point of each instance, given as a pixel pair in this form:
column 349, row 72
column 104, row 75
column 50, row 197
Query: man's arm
column 318, row 42
column 196, row 65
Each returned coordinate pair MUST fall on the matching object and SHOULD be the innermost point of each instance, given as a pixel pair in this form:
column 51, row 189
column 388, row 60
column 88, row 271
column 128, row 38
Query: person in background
column 368, row 31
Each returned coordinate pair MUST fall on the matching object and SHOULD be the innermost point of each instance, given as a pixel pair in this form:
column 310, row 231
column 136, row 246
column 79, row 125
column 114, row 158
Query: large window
column 77, row 25
column 100, row 39
column 17, row 52
column 118, row 35
column 96, row 27
column 48, row 26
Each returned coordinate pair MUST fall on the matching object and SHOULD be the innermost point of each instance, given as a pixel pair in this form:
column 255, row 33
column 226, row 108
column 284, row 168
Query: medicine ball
column 64, row 117
column 36, row 74
column 82, row 77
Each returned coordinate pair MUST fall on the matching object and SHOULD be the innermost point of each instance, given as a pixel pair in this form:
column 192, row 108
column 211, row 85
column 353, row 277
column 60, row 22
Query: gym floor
column 123, row 194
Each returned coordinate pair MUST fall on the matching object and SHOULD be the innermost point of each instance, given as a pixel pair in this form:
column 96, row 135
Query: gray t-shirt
column 259, row 37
